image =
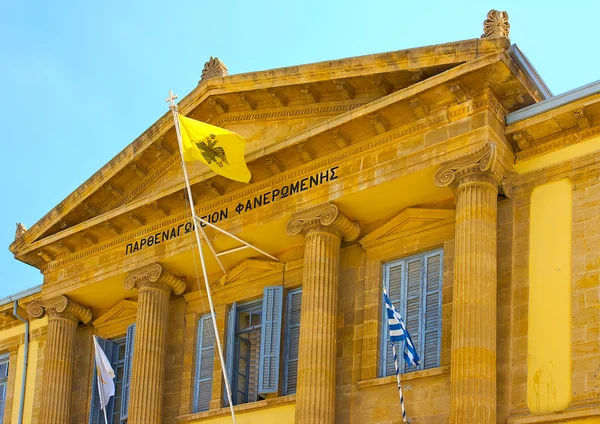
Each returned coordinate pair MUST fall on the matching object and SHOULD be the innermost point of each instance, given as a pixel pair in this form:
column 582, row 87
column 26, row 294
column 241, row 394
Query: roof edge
column 21, row 294
column 553, row 103
column 528, row 69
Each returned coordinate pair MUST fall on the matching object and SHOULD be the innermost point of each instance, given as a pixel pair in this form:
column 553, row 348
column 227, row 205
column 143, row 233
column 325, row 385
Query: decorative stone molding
column 213, row 68
column 496, row 25
column 481, row 162
column 59, row 305
column 20, row 230
column 327, row 215
column 151, row 274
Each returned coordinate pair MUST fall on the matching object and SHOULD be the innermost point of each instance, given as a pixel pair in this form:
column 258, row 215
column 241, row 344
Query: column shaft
column 315, row 398
column 149, row 354
column 473, row 369
column 57, row 379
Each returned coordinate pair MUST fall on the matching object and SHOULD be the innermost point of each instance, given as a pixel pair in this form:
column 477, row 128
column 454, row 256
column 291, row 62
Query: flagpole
column 197, row 229
column 100, row 393
column 404, row 419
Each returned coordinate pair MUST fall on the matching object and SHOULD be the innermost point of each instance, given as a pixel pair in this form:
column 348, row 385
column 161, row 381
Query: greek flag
column 399, row 334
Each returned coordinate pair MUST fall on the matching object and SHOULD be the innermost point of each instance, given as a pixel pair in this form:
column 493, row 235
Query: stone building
column 448, row 174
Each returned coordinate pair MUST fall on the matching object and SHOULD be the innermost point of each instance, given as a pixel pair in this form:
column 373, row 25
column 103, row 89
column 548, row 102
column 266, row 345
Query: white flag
column 105, row 375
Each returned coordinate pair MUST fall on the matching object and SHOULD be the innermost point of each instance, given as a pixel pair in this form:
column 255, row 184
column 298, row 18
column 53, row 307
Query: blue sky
column 80, row 80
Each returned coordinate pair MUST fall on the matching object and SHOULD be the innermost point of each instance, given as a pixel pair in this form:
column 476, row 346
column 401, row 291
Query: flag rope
column 197, row 229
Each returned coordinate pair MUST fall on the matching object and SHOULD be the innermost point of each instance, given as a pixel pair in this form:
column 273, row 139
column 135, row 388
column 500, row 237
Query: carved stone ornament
column 59, row 305
column 496, row 24
column 153, row 276
column 214, row 68
column 481, row 161
column 20, row 230
column 325, row 214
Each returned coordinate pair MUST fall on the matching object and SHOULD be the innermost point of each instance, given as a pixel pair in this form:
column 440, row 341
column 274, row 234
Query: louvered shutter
column 432, row 310
column 292, row 340
column 204, row 364
column 415, row 287
column 412, row 306
column 96, row 415
column 270, row 346
column 129, row 343
column 231, row 325
column 394, row 285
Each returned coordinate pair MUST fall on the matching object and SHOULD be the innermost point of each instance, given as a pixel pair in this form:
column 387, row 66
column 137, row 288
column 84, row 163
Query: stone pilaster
column 475, row 182
column 154, row 285
column 63, row 317
column 323, row 227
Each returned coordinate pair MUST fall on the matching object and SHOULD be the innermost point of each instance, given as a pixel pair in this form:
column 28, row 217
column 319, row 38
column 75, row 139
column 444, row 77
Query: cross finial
column 171, row 99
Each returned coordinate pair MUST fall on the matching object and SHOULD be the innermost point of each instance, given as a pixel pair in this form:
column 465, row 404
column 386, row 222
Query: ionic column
column 323, row 227
column 63, row 317
column 475, row 182
column 154, row 285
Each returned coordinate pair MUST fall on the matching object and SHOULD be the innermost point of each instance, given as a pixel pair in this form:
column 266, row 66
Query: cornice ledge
column 325, row 214
column 60, row 305
column 483, row 161
column 154, row 273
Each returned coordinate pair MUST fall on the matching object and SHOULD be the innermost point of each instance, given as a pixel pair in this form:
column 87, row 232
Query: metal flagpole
column 197, row 229
column 404, row 419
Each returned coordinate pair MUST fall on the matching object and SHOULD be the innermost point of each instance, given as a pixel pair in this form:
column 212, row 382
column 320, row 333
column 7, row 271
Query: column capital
column 326, row 215
column 59, row 305
column 479, row 165
column 153, row 275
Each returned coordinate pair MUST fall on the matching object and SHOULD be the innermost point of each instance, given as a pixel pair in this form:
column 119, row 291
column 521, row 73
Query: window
column 253, row 349
column 3, row 382
column 120, row 354
column 414, row 285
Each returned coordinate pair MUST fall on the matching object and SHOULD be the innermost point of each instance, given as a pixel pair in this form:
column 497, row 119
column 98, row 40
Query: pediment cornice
column 409, row 222
column 413, row 61
column 251, row 270
column 123, row 310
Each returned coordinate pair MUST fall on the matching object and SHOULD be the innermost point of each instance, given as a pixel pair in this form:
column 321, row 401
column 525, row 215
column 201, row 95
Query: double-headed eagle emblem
column 210, row 152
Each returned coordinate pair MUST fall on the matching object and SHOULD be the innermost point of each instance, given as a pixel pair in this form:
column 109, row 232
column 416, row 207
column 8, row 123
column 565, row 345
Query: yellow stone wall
column 549, row 329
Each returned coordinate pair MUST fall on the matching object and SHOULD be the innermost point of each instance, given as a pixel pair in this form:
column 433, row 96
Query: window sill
column 246, row 407
column 411, row 376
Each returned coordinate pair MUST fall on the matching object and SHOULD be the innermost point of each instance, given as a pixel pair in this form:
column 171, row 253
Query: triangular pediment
column 125, row 310
column 407, row 222
column 291, row 116
column 251, row 270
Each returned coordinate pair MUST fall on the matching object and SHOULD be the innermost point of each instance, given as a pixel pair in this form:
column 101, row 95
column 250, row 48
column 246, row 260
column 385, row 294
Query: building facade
column 448, row 174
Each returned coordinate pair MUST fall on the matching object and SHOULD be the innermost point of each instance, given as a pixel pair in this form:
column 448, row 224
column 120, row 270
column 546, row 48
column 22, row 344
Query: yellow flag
column 221, row 150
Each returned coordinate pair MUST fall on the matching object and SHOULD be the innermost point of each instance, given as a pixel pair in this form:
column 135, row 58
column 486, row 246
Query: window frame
column 402, row 308
column 4, row 359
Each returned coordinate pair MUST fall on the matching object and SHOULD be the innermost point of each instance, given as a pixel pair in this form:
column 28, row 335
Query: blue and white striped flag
column 399, row 333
